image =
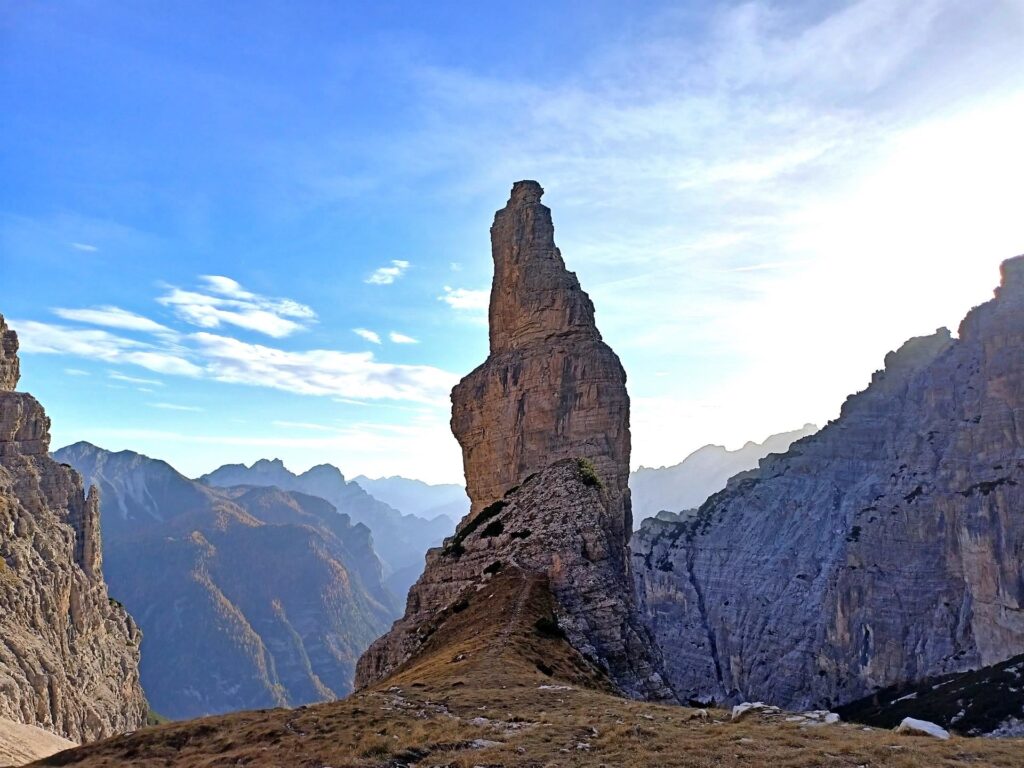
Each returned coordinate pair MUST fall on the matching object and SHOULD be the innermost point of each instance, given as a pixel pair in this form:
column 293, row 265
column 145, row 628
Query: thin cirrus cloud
column 222, row 301
column 355, row 375
column 84, row 247
column 401, row 338
column 94, row 344
column 177, row 407
column 465, row 299
column 388, row 275
column 112, row 317
column 370, row 336
column 118, row 376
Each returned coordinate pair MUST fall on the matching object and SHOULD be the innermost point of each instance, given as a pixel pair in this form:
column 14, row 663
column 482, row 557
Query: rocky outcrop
column 885, row 548
column 274, row 593
column 69, row 657
column 9, row 364
column 551, row 388
column 544, row 430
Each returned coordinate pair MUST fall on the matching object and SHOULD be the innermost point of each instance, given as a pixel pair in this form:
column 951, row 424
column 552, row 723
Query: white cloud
column 176, row 407
column 465, row 299
column 91, row 344
column 225, row 302
column 321, row 371
column 388, row 275
column 135, row 380
column 112, row 317
column 401, row 338
column 85, row 247
column 303, row 425
column 75, row 372
column 370, row 336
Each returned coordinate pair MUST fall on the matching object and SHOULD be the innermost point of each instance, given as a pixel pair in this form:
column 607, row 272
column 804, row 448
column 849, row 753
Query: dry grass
column 479, row 678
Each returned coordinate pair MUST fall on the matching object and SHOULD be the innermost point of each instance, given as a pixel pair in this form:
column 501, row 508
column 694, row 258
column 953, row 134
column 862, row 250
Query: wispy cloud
column 117, row 375
column 304, row 425
column 86, row 247
column 370, row 336
column 75, row 372
column 388, row 275
column 177, row 407
column 223, row 301
column 401, row 338
column 321, row 371
column 112, row 317
column 465, row 299
column 92, row 344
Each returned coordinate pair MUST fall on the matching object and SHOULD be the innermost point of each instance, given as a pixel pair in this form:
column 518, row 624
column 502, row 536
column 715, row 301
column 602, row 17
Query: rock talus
column 885, row 548
column 544, row 429
column 69, row 660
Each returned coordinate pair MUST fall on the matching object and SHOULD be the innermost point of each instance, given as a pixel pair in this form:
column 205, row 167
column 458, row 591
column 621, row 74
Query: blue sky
column 235, row 230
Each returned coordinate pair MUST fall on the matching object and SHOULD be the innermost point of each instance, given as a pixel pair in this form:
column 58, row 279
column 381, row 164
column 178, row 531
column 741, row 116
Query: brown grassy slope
column 488, row 675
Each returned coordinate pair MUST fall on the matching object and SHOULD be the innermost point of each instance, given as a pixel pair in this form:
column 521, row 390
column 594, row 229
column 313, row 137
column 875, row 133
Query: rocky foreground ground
column 496, row 686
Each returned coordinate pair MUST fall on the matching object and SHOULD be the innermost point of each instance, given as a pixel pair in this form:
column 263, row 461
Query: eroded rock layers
column 544, row 430
column 885, row 548
column 69, row 656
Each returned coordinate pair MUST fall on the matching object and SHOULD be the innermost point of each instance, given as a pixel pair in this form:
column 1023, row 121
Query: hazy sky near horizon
column 241, row 230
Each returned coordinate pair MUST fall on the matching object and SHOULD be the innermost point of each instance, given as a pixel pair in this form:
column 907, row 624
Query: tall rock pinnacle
column 544, row 430
column 551, row 388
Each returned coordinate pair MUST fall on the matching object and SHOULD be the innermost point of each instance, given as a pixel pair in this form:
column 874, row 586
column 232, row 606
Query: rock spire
column 551, row 388
column 544, row 430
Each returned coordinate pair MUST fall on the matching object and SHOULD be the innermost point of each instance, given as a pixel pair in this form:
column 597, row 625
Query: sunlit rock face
column 885, row 548
column 550, row 388
column 69, row 656
column 544, row 430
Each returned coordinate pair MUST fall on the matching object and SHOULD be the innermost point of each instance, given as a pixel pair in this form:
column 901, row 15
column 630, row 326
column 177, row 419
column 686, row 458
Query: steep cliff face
column 551, row 388
column 69, row 660
column 885, row 548
column 248, row 596
column 544, row 429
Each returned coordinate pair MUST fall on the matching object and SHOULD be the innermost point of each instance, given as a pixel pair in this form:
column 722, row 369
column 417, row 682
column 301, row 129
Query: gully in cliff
column 544, row 428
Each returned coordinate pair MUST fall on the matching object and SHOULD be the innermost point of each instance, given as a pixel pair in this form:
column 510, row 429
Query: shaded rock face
column 544, row 430
column 550, row 388
column 69, row 656
column 558, row 523
column 249, row 596
column 883, row 549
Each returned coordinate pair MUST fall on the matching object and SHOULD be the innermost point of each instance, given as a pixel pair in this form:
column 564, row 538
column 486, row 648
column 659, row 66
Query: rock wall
column 69, row 660
column 544, row 430
column 885, row 548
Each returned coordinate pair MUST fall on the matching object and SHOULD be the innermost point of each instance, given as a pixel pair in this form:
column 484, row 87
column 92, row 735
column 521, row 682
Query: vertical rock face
column 886, row 548
column 69, row 660
column 551, row 388
column 544, row 430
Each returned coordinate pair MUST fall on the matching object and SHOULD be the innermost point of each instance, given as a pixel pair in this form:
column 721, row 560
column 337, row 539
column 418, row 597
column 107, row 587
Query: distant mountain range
column 401, row 540
column 705, row 471
column 416, row 497
column 248, row 597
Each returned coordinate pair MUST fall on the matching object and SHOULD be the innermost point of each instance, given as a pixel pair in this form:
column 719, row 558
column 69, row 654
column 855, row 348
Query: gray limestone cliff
column 885, row 548
column 69, row 656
